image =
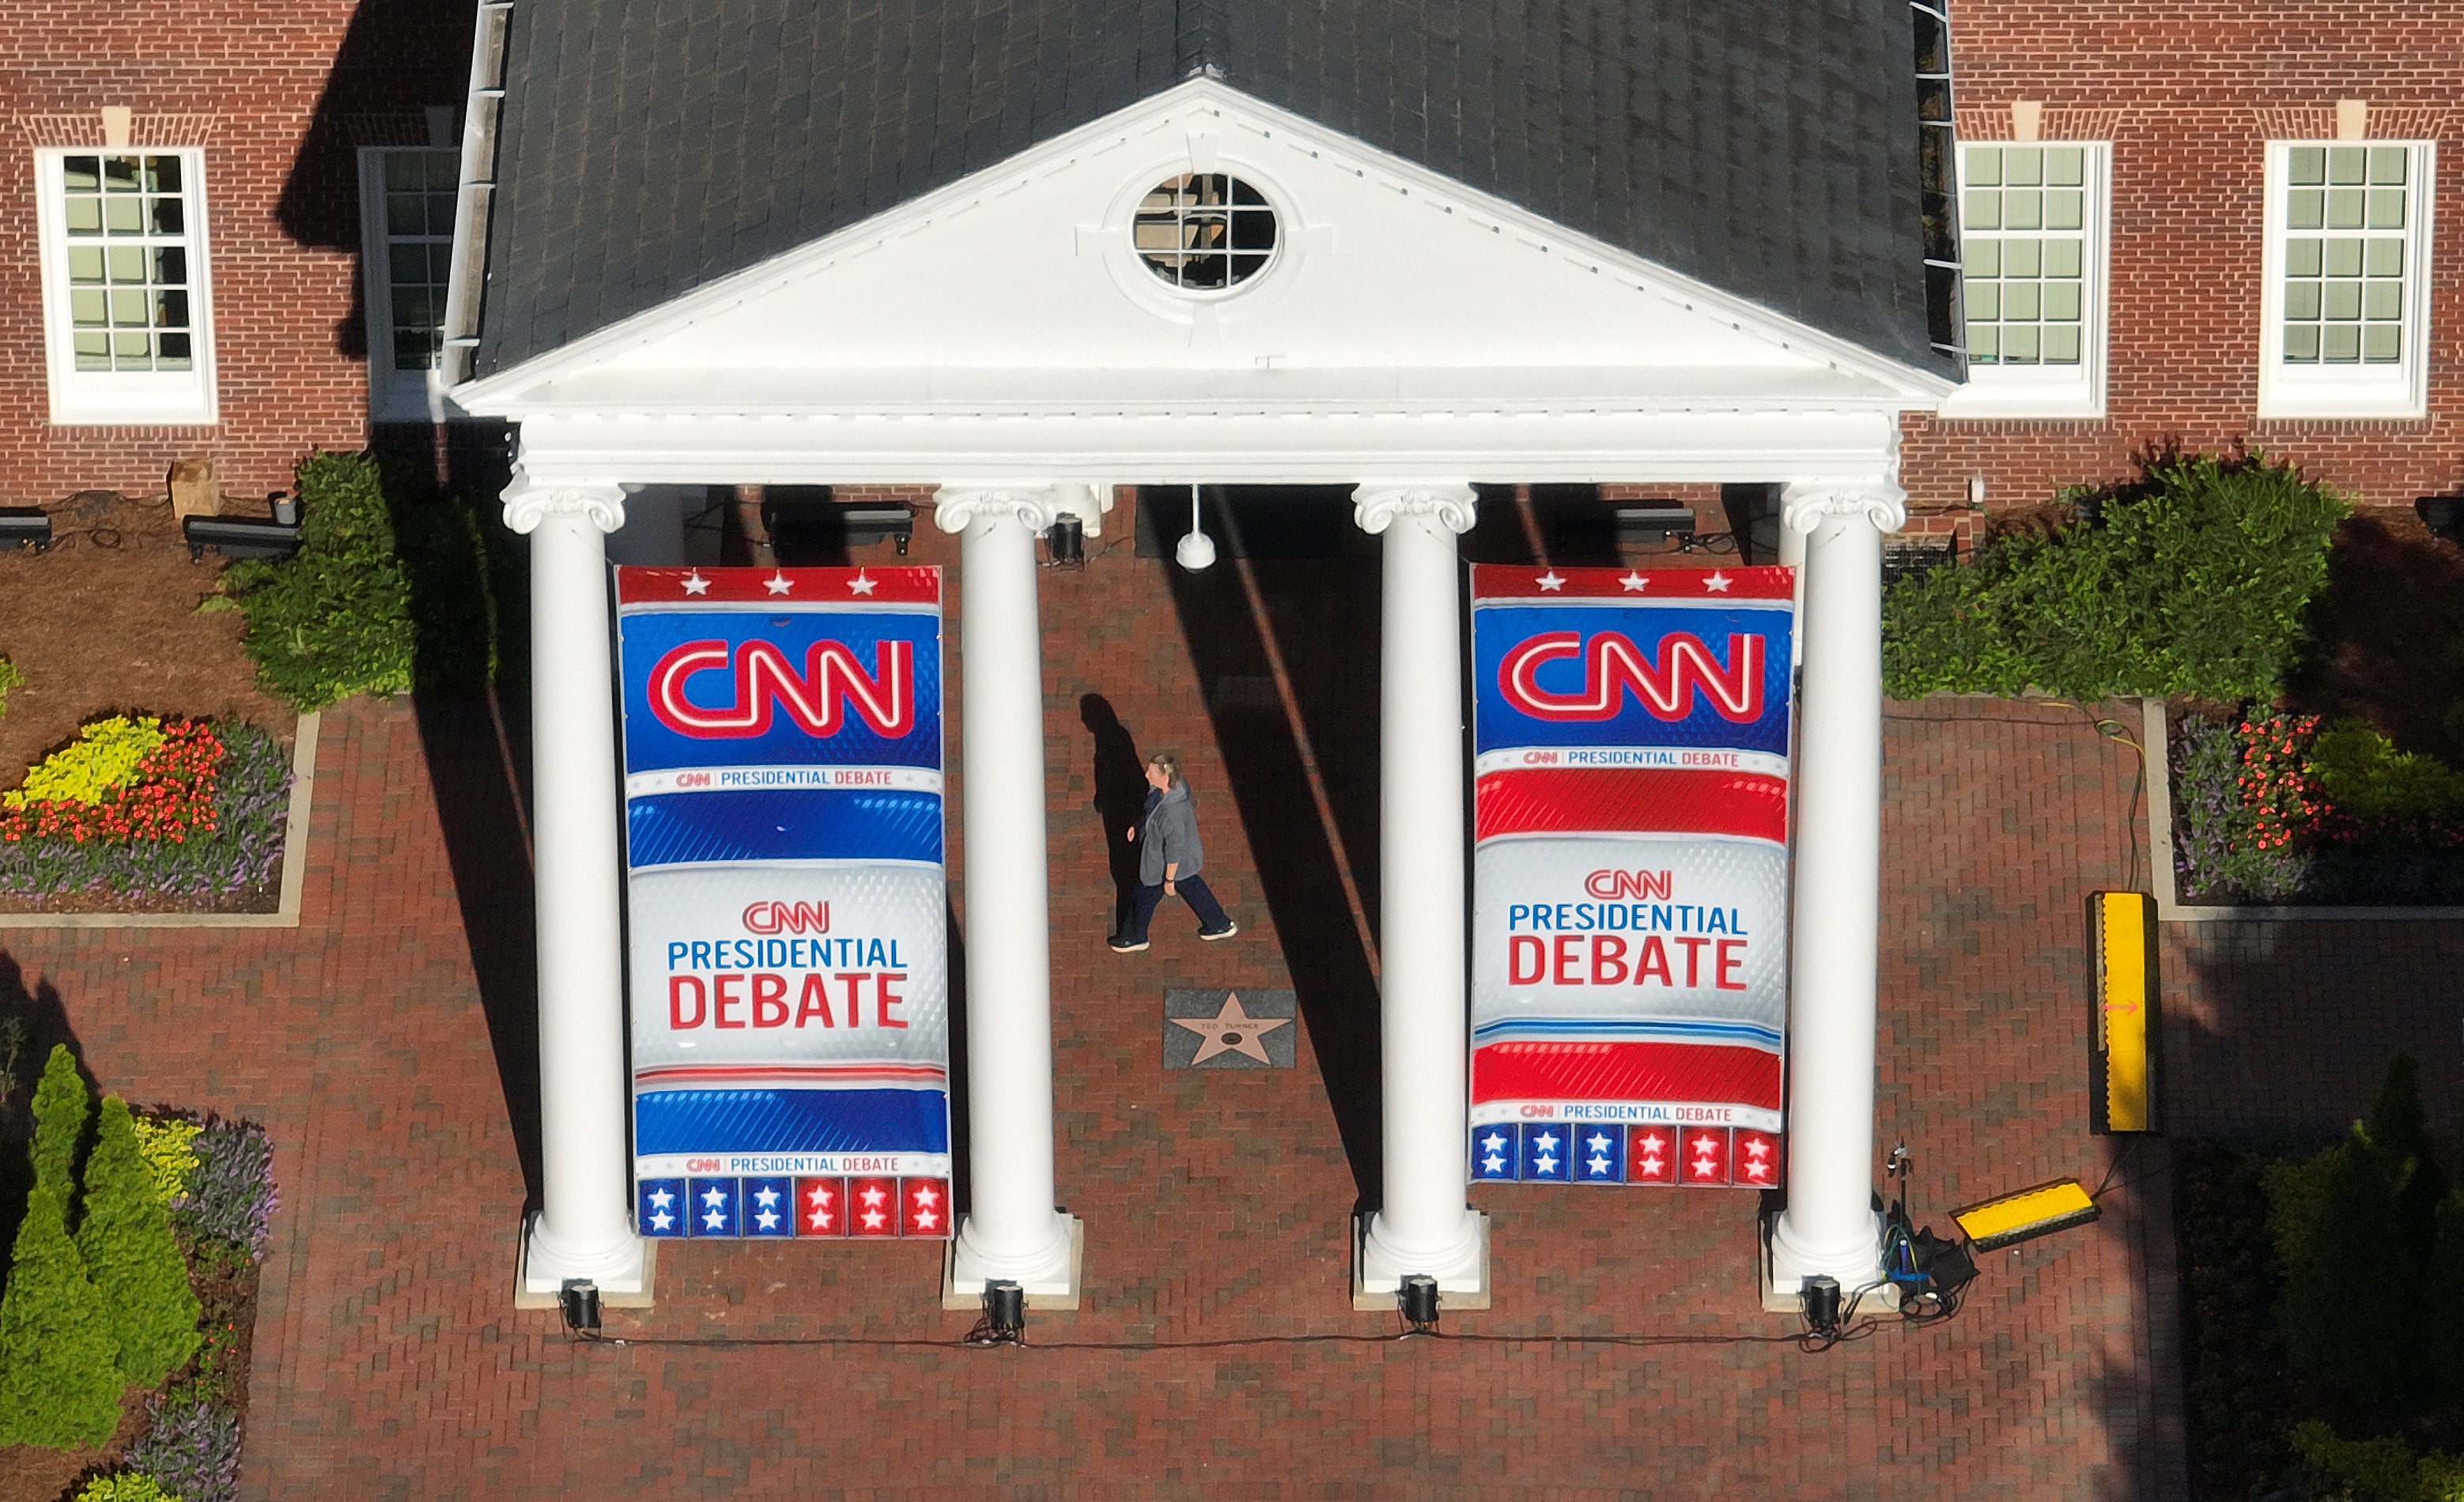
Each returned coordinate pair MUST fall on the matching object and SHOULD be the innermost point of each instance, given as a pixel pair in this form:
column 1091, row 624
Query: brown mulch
column 32, row 1474
column 2393, row 617
column 107, row 622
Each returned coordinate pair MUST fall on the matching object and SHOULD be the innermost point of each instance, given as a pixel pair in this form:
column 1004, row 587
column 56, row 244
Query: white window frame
column 2398, row 390
column 394, row 396
column 2051, row 391
column 97, row 398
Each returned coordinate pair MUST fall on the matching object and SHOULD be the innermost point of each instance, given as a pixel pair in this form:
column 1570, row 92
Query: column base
column 1378, row 1272
column 1050, row 1281
column 1784, row 1271
column 623, row 1272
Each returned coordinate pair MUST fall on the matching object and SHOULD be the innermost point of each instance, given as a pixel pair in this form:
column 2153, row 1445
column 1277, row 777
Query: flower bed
column 139, row 812
column 124, row 1347
column 2286, row 809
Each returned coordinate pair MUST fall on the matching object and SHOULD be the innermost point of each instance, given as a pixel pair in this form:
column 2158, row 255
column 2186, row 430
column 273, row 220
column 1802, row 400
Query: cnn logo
column 1619, row 886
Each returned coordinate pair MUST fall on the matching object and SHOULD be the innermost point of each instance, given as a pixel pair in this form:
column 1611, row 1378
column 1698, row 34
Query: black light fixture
column 2443, row 516
column 1417, row 1298
column 578, row 1298
column 238, row 538
column 1820, row 1297
column 1065, row 542
column 1005, row 1312
column 25, row 527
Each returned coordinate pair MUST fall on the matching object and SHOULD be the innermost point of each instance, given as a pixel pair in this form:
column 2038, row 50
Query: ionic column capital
column 529, row 501
column 1807, row 504
column 1037, row 505
column 1449, row 503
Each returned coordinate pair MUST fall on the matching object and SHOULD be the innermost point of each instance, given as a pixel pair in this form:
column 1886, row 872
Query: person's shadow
column 1120, row 797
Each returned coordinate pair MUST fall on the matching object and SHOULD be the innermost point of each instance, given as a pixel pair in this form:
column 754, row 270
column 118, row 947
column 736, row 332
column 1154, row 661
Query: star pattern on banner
column 1717, row 582
column 663, row 1205
column 862, row 584
column 696, row 584
column 1650, row 1154
column 872, row 1219
column 1231, row 1030
column 820, row 1209
column 779, row 583
column 923, row 1204
column 1553, row 581
column 1595, row 1153
column 1495, row 1146
column 1633, row 582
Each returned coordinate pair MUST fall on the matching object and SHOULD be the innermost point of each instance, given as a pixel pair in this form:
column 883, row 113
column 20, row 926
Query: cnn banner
column 790, row 966
column 1630, row 873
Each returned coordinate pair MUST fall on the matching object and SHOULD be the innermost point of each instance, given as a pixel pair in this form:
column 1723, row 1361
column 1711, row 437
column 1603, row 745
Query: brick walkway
column 390, row 1363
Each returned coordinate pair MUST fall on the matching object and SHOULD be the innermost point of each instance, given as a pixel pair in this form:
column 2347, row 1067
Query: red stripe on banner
column 904, row 584
column 1711, row 586
column 1707, row 1072
column 721, row 1074
column 1630, row 799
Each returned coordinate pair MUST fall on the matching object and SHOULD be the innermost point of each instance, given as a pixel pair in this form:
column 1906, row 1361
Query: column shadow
column 1323, row 612
column 477, row 753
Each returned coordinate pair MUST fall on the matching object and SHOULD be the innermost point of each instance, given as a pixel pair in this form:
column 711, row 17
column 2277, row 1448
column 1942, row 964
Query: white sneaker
column 1228, row 929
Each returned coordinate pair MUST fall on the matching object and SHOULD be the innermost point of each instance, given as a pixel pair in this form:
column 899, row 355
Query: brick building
column 194, row 186
column 2260, row 211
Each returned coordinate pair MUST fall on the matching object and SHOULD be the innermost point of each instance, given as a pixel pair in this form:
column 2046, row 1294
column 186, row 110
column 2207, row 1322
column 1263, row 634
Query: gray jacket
column 1167, row 834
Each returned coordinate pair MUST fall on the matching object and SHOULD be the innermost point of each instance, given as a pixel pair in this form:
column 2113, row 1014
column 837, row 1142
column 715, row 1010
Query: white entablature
column 1004, row 328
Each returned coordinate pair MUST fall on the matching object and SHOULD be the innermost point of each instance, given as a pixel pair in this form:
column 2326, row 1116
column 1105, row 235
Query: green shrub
column 2374, row 783
column 2374, row 1470
column 126, row 1486
column 467, row 583
column 2193, row 584
column 59, row 1378
column 2375, row 1201
column 11, row 677
column 125, row 1238
column 60, row 1106
column 333, row 621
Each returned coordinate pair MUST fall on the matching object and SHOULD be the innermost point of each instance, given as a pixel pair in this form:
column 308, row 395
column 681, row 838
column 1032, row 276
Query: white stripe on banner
column 781, row 779
column 1590, row 758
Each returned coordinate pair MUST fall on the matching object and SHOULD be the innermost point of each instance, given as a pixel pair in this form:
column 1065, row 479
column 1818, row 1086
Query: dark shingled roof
column 651, row 146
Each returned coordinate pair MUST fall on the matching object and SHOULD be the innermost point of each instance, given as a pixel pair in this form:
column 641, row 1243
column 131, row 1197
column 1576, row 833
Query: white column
column 586, row 1226
column 1830, row 1226
column 1011, row 1229
column 1425, row 1223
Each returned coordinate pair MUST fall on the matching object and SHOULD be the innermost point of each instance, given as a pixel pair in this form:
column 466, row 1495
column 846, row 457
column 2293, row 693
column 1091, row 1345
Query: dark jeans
column 1192, row 891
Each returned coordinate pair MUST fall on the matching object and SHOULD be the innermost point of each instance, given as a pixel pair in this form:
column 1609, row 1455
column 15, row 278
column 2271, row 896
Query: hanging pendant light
column 1197, row 550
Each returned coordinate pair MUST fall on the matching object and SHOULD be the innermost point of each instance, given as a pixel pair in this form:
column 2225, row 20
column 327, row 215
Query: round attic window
column 1204, row 231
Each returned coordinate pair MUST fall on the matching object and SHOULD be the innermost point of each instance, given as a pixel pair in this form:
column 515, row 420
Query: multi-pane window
column 2344, row 305
column 1203, row 231
column 127, row 220
column 2345, row 216
column 125, row 285
column 2031, row 248
column 406, row 231
column 2025, row 260
column 419, row 240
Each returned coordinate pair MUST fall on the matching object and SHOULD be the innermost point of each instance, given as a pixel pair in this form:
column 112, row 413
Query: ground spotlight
column 578, row 1298
column 1417, row 1298
column 1065, row 543
column 1005, row 1312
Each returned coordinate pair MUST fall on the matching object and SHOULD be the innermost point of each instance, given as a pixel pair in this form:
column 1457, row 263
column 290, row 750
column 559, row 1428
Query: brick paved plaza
column 387, row 1043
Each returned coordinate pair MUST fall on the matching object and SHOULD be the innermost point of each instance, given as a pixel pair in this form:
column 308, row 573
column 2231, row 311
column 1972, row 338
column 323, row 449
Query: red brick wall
column 279, row 93
column 2188, row 94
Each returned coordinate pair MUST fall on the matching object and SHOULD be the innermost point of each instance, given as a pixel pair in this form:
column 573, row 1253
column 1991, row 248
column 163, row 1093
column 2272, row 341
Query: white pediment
column 1017, row 291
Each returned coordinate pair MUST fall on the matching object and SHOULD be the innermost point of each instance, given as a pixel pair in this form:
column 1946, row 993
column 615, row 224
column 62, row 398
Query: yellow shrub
column 166, row 1145
column 104, row 757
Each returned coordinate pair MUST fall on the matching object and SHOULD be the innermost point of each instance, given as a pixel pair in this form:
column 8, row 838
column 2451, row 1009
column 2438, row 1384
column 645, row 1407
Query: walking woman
column 1168, row 859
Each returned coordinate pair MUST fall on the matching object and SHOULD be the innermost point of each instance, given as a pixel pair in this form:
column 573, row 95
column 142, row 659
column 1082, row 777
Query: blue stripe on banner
column 871, row 824
column 668, row 1122
column 1689, row 1031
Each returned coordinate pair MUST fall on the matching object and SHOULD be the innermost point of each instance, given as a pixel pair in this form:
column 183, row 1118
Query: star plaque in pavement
column 1220, row 1029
